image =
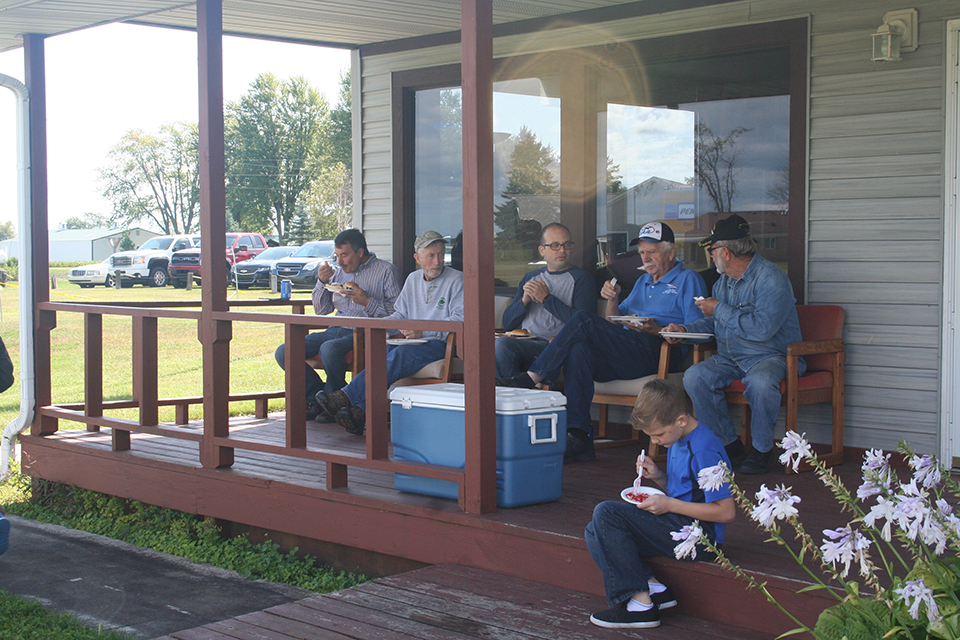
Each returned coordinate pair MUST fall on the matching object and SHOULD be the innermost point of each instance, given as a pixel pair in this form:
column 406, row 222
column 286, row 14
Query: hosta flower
column 774, row 504
column 886, row 510
column 914, row 592
column 926, row 471
column 796, row 448
column 846, row 545
column 877, row 474
column 949, row 519
column 688, row 538
column 713, row 478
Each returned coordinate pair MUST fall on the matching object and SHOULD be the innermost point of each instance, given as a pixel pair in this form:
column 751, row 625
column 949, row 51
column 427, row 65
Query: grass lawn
column 25, row 620
column 252, row 367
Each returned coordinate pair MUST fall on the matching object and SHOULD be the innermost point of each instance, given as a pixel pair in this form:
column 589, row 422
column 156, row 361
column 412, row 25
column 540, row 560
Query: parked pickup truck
column 148, row 264
column 239, row 247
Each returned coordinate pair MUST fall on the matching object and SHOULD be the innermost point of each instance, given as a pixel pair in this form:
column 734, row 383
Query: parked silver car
column 91, row 275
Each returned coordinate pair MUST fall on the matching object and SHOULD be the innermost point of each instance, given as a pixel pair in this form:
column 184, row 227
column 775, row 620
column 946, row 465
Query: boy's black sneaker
column 520, row 381
column 619, row 618
column 664, row 599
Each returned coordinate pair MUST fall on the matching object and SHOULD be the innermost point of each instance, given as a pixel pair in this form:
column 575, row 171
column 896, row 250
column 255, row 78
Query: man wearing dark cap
column 753, row 315
column 589, row 348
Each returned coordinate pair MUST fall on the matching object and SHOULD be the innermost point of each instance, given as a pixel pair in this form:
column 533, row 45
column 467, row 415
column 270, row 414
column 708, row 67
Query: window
column 526, row 170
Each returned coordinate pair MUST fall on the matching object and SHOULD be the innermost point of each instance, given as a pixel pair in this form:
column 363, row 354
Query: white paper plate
column 401, row 341
column 647, row 490
column 504, row 335
column 629, row 319
column 333, row 289
column 687, row 336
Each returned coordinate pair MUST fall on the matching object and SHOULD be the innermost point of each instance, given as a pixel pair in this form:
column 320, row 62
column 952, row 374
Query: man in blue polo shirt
column 590, row 348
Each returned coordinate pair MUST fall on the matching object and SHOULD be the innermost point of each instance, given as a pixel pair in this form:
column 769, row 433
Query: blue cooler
column 427, row 425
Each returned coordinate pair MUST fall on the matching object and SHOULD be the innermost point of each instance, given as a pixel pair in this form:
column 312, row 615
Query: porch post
column 214, row 334
column 35, row 76
column 480, row 488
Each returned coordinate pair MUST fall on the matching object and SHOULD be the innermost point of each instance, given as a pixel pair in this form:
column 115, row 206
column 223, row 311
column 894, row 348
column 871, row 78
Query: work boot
column 353, row 419
column 331, row 403
column 735, row 452
column 756, row 462
column 579, row 447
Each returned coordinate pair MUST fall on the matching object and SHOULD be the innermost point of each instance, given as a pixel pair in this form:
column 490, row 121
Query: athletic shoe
column 619, row 618
column 735, row 452
column 520, row 381
column 664, row 599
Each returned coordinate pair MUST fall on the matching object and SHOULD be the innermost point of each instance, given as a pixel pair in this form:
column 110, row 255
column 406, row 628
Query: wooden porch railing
column 145, row 397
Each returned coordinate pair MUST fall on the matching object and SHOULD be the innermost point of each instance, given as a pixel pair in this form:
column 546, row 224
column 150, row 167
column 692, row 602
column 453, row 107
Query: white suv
column 148, row 264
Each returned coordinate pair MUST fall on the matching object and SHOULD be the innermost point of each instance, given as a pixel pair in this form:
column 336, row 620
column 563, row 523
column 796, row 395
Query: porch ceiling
column 346, row 23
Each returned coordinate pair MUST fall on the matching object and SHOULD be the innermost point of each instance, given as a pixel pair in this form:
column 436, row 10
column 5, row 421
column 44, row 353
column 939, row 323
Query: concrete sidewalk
column 112, row 584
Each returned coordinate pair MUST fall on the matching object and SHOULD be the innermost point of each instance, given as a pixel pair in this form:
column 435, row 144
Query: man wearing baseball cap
column 753, row 315
column 590, row 348
column 433, row 292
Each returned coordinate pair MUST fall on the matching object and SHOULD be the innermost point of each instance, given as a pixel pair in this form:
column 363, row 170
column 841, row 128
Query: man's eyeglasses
column 556, row 245
column 710, row 250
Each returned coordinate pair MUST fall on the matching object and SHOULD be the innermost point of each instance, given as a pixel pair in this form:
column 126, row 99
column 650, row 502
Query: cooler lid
column 450, row 395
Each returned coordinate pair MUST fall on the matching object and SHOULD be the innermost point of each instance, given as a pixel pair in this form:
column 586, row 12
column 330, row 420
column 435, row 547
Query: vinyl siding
column 875, row 191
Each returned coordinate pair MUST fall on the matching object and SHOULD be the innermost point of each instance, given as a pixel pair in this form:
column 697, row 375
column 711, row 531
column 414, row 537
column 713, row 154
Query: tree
column 87, row 221
column 330, row 202
column 155, row 177
column 8, row 230
column 341, row 124
column 716, row 160
column 529, row 174
column 277, row 138
column 614, row 178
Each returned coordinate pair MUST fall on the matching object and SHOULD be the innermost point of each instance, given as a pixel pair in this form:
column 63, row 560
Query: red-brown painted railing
column 145, row 396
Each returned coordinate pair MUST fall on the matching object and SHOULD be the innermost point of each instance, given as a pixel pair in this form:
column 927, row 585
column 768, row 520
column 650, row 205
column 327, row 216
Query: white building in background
column 74, row 245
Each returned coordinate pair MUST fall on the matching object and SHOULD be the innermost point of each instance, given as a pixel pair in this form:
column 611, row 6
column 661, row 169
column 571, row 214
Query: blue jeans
column 402, row 361
column 621, row 534
column 515, row 355
column 333, row 345
column 706, row 381
column 589, row 348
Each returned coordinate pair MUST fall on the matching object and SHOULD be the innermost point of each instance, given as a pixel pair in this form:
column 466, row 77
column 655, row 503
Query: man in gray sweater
column 434, row 292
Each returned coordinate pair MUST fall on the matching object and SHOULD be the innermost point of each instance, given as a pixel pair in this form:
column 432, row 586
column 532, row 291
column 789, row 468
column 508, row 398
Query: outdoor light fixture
column 897, row 34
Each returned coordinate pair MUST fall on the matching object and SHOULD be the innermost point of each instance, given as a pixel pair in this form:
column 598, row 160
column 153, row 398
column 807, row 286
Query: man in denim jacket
column 753, row 315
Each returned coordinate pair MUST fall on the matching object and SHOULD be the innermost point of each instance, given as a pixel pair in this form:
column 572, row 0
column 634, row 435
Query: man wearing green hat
column 753, row 315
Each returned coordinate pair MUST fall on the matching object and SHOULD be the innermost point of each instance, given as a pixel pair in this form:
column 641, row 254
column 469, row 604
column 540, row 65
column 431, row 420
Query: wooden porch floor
column 539, row 542
column 449, row 602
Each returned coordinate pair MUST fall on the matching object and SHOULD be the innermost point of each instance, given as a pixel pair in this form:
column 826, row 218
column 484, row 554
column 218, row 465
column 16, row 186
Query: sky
column 105, row 81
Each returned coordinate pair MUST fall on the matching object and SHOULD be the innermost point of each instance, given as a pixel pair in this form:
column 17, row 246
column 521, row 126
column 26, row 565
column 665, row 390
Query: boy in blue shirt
column 621, row 533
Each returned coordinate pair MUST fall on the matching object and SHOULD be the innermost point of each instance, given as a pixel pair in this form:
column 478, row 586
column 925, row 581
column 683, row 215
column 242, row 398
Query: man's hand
column 609, row 291
column 656, row 504
column 707, row 305
column 674, row 328
column 356, row 294
column 411, row 334
column 650, row 326
column 537, row 290
column 324, row 273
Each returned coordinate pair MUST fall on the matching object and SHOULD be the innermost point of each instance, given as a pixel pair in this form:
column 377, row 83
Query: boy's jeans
column 620, row 534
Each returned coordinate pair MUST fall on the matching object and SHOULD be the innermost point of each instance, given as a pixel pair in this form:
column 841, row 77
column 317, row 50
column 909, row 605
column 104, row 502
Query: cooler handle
column 532, row 423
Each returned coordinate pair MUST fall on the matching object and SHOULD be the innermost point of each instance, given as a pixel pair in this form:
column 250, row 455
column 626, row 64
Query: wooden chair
column 624, row 393
column 821, row 327
column 354, row 358
column 437, row 371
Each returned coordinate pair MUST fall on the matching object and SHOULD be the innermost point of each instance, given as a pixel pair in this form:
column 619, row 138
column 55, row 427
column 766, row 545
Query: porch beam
column 479, row 494
column 145, row 369
column 36, row 83
column 214, row 334
column 93, row 366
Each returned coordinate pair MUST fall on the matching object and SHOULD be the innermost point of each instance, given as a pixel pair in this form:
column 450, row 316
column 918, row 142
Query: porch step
column 452, row 602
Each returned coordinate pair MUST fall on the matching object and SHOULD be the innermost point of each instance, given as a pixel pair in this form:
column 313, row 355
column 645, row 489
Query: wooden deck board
column 450, row 602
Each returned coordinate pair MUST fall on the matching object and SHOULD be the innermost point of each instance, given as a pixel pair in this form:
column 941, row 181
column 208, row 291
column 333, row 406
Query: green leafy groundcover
column 172, row 532
column 27, row 620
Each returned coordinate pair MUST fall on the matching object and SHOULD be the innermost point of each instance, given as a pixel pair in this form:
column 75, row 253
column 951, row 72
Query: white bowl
column 647, row 490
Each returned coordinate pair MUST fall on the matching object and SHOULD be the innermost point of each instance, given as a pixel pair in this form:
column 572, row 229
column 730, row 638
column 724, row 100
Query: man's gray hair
column 667, row 246
column 740, row 248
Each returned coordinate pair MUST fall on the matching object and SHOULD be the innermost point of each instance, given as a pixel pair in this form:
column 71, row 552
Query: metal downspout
column 27, row 364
